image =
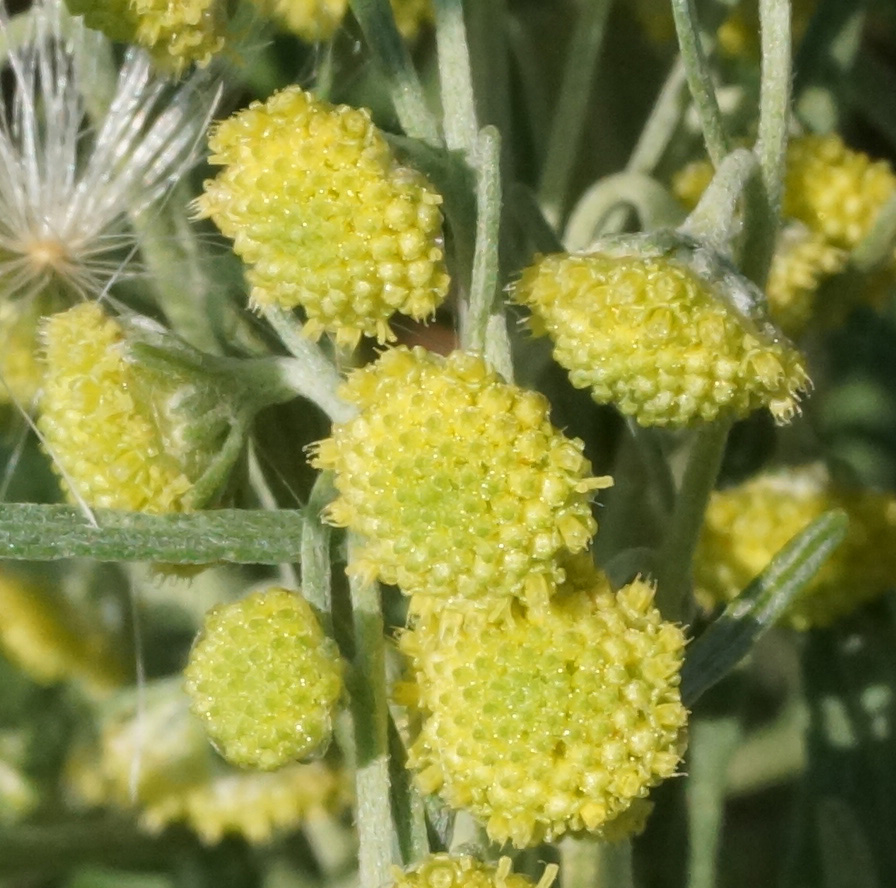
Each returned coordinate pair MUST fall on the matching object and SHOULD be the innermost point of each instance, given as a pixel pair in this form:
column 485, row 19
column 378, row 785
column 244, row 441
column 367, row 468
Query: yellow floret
column 45, row 636
column 460, row 485
column 462, row 871
column 20, row 367
column 539, row 726
column 175, row 32
column 99, row 422
column 835, row 191
column 265, row 680
column 325, row 218
column 747, row 525
column 662, row 344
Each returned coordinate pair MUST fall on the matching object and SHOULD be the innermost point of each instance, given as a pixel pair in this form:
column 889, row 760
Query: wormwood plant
column 448, row 445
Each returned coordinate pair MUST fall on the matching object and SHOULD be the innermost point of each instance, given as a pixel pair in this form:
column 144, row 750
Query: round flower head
column 324, row 217
column 265, row 680
column 458, row 482
column 667, row 344
column 97, row 423
column 746, row 526
column 175, row 34
column 461, row 871
column 542, row 726
column 312, row 20
column 835, row 191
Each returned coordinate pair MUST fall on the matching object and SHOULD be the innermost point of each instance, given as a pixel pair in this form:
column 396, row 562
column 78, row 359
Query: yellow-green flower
column 548, row 723
column 745, row 527
column 100, row 419
column 175, row 33
column 324, row 216
column 50, row 640
column 459, row 484
column 835, row 191
column 312, row 20
column 265, row 680
column 463, row 871
column 665, row 345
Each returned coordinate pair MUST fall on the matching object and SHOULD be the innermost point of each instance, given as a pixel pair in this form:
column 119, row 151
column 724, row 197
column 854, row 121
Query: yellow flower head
column 664, row 344
column 747, row 525
column 107, row 424
column 458, row 482
column 462, row 871
column 265, row 680
column 835, row 191
column 254, row 805
column 21, row 370
column 411, row 16
column 325, row 218
column 50, row 640
column 175, row 32
column 547, row 725
column 312, row 20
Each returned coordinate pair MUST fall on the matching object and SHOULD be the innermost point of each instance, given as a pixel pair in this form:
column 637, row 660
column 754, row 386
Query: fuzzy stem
column 569, row 117
column 378, row 24
column 699, row 80
column 316, row 574
column 662, row 123
column 484, row 279
column 455, row 76
column 370, row 714
column 677, row 550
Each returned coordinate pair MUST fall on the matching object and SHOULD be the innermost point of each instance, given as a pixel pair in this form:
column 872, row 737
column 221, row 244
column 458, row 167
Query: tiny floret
column 746, row 526
column 539, row 726
column 324, row 216
column 461, row 487
column 661, row 341
column 265, row 680
column 461, row 871
column 100, row 418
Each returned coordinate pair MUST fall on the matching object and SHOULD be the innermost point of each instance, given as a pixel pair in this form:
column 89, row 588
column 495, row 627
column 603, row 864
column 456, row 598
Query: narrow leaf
column 729, row 639
column 46, row 533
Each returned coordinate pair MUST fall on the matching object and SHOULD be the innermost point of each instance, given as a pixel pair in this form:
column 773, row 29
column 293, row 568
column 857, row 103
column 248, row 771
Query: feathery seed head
column 745, row 527
column 548, row 725
column 175, row 34
column 461, row 487
column 325, row 218
column 461, row 871
column 265, row 680
column 670, row 335
column 835, row 191
column 66, row 189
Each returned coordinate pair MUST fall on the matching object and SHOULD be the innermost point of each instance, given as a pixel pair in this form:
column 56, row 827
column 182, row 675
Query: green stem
column 455, row 77
column 370, row 714
column 662, row 123
column 568, row 120
column 580, row 860
column 699, row 80
column 316, row 573
column 311, row 374
column 677, row 549
column 486, row 272
column 378, row 24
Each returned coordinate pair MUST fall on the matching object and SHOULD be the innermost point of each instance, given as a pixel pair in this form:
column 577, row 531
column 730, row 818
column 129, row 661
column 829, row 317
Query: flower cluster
column 325, row 217
column 458, row 482
column 461, row 871
column 746, row 526
column 662, row 343
column 551, row 722
column 265, row 680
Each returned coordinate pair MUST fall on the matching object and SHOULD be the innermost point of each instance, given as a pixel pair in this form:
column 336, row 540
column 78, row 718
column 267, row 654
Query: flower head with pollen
column 542, row 726
column 324, row 216
column 175, row 34
column 265, row 680
column 747, row 525
column 460, row 485
column 461, row 871
column 665, row 343
column 121, row 435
